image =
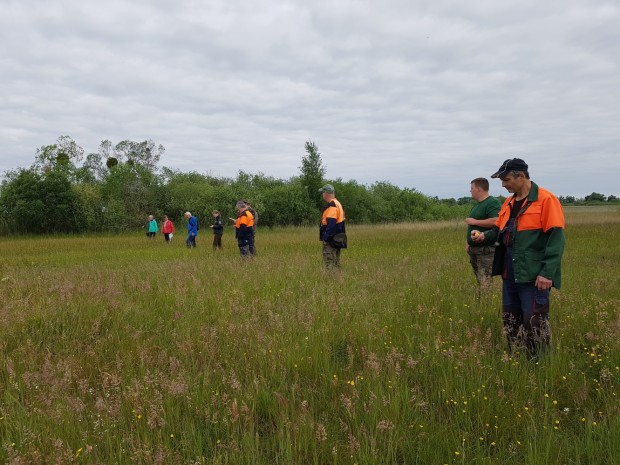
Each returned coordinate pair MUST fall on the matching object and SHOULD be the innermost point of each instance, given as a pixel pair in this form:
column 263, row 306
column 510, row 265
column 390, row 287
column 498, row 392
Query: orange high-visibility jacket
column 537, row 240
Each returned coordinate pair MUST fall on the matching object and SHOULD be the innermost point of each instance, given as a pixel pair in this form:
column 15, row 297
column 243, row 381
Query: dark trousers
column 190, row 241
column 525, row 314
column 217, row 241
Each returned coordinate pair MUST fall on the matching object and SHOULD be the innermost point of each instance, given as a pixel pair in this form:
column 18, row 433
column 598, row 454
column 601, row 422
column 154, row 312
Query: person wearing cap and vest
column 482, row 217
column 255, row 216
column 529, row 234
column 243, row 229
column 332, row 232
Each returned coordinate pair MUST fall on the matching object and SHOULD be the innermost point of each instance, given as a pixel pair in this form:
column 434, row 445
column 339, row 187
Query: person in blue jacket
column 192, row 230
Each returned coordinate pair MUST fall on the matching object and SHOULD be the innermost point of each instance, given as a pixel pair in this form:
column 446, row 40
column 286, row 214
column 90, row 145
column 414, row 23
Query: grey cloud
column 423, row 94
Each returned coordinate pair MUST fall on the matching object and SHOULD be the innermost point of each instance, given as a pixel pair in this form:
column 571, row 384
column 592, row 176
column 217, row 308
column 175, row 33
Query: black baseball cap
column 512, row 164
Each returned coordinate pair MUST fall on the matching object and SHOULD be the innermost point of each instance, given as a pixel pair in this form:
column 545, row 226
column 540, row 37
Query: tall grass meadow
column 121, row 350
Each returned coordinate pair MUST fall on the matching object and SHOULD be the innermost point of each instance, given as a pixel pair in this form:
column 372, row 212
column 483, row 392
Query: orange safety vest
column 246, row 218
column 333, row 210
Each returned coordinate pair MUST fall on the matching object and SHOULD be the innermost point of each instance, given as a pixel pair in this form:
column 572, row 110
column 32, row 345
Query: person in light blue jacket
column 152, row 228
column 192, row 230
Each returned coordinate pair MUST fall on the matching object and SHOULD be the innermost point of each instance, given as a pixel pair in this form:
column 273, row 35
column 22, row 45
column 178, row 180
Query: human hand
column 542, row 283
column 477, row 236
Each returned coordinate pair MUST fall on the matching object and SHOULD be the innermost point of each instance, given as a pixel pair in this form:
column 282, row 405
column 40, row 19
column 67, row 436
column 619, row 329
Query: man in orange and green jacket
column 332, row 231
column 529, row 234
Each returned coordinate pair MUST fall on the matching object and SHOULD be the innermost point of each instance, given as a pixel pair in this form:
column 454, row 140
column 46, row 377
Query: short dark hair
column 482, row 183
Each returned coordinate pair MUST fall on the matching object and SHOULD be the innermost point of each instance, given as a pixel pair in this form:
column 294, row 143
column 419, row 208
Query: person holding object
column 530, row 242
column 192, row 230
column 255, row 216
column 332, row 231
column 243, row 230
column 482, row 217
column 218, row 230
column 167, row 229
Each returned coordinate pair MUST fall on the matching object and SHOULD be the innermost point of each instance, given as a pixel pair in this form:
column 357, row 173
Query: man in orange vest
column 332, row 232
column 243, row 230
column 529, row 234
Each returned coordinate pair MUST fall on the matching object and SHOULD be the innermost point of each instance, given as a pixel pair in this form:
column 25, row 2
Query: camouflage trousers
column 331, row 256
column 481, row 259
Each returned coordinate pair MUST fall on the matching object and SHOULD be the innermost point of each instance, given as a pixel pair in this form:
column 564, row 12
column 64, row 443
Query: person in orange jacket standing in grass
column 243, row 230
column 332, row 232
column 529, row 234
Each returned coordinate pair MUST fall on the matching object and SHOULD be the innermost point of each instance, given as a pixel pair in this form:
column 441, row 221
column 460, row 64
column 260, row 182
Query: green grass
column 117, row 350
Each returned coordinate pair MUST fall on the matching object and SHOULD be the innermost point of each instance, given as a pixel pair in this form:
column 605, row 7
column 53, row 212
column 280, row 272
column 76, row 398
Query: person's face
column 513, row 183
column 165, row 218
column 325, row 196
column 474, row 191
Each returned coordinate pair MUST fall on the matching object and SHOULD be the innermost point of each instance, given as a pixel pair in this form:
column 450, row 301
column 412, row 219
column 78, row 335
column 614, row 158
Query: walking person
column 482, row 217
column 332, row 231
column 167, row 229
column 243, row 230
column 218, row 230
column 192, row 230
column 152, row 224
column 530, row 237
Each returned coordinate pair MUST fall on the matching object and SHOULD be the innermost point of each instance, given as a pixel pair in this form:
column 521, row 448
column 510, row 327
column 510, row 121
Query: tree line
column 115, row 188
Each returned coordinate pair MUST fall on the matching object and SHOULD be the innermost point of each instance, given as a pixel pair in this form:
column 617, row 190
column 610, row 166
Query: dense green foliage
column 119, row 350
column 116, row 188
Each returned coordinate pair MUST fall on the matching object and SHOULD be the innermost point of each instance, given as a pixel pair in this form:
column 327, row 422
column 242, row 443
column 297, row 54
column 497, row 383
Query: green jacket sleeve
column 553, row 255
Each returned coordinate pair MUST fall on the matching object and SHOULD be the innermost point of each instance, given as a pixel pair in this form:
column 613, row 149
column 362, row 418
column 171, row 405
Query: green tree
column 286, row 204
column 34, row 203
column 61, row 203
column 312, row 172
column 145, row 153
column 21, row 207
column 65, row 154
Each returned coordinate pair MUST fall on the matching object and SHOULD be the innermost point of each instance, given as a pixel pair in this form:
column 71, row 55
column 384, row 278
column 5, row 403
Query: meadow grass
column 119, row 350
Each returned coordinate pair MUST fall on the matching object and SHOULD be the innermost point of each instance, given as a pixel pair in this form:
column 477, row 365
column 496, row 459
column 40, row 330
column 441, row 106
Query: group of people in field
column 245, row 228
column 521, row 240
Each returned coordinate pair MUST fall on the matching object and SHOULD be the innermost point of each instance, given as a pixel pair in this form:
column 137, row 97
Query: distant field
column 117, row 350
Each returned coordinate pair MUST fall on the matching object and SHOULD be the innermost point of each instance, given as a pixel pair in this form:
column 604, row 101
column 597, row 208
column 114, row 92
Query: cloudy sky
column 423, row 94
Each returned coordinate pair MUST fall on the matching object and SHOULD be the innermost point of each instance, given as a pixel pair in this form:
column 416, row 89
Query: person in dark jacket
column 332, row 231
column 218, row 230
column 529, row 234
column 243, row 229
column 255, row 215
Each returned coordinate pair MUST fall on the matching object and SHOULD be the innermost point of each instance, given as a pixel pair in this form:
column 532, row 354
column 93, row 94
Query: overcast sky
column 423, row 94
